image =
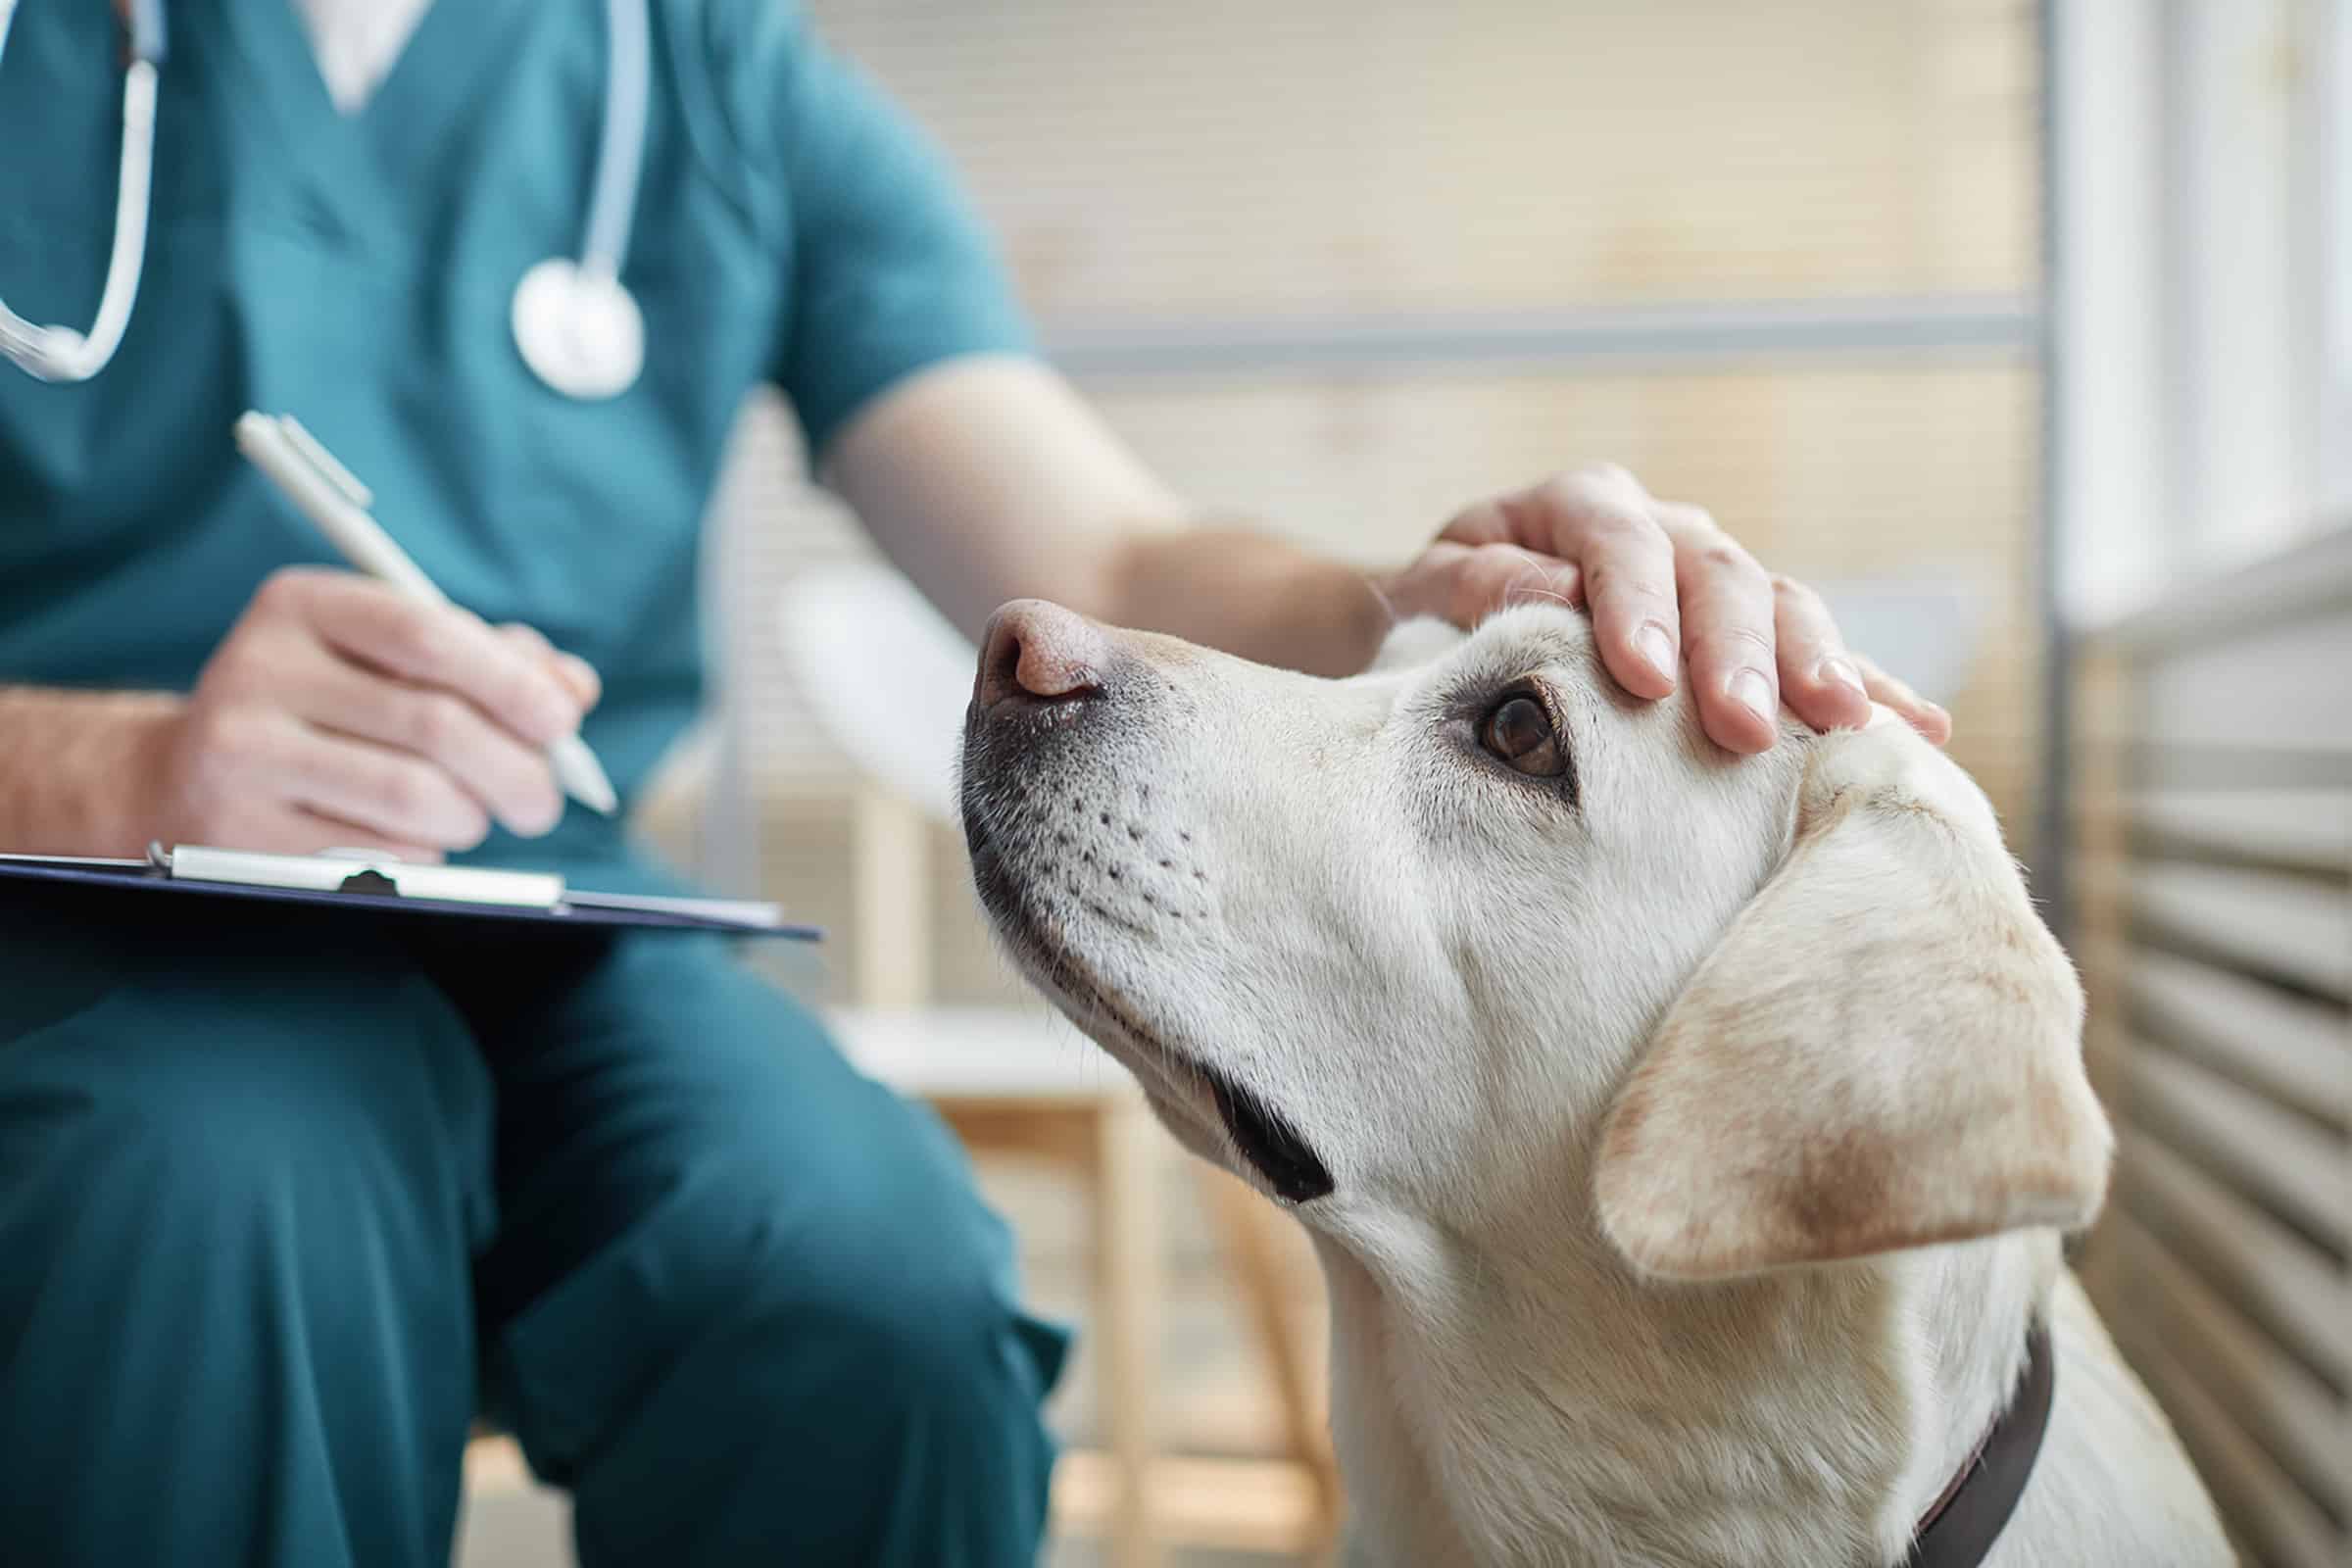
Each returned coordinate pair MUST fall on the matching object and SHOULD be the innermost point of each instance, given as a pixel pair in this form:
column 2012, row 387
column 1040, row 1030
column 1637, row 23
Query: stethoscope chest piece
column 578, row 329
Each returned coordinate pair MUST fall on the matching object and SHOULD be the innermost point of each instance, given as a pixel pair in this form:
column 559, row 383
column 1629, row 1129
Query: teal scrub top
column 356, row 272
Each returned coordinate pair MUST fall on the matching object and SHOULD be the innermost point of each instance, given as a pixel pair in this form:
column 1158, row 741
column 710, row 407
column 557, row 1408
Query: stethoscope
column 575, row 322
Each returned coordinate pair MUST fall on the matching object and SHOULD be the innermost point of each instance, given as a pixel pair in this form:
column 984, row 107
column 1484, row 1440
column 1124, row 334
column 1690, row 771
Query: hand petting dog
column 1659, row 577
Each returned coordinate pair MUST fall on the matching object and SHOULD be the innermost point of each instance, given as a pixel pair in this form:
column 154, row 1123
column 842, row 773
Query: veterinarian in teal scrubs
column 285, row 1204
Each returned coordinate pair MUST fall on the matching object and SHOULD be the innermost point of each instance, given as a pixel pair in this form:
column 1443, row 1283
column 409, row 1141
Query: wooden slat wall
column 1232, row 158
column 2213, row 816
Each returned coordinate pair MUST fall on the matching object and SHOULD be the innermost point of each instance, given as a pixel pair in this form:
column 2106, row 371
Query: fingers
column 1604, row 520
column 1662, row 580
column 433, row 645
column 1599, row 523
column 575, row 672
column 397, row 797
column 1819, row 679
column 1464, row 583
column 507, row 777
column 1921, row 715
column 1728, row 614
column 1484, row 523
column 306, row 833
column 392, row 685
column 1494, row 575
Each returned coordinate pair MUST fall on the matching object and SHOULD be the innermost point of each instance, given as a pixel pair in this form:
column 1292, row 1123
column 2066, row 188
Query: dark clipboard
column 368, row 884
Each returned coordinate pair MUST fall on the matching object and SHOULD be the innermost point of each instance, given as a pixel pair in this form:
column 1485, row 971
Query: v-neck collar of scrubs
column 356, row 43
column 364, row 165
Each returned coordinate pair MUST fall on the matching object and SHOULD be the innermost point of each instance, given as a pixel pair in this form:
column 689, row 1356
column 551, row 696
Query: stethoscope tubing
column 62, row 355
column 58, row 352
column 621, row 154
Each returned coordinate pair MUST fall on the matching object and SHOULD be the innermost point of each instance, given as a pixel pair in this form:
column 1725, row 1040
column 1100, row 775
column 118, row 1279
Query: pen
column 333, row 497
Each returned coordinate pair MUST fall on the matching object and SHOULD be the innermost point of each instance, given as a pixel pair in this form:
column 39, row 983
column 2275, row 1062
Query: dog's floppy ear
column 1882, row 1052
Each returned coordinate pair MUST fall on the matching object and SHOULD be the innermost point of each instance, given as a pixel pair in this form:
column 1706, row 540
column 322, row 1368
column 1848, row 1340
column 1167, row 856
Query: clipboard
column 353, row 880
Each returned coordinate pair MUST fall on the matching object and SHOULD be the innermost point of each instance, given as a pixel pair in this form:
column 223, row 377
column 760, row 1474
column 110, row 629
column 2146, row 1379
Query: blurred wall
column 2203, row 178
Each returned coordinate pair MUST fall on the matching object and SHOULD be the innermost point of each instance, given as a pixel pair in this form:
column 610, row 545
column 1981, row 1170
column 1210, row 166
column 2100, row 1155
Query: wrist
column 83, row 772
column 1372, row 611
column 152, row 725
column 1327, row 617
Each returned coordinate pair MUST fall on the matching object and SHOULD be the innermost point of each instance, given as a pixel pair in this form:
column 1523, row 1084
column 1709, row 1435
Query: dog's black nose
column 1035, row 652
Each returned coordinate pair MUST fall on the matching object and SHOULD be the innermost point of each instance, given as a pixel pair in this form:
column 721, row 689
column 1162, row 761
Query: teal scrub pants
column 284, row 1202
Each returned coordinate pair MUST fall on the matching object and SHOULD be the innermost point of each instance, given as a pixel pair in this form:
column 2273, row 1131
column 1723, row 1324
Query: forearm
column 989, row 479
column 1248, row 593
column 75, row 769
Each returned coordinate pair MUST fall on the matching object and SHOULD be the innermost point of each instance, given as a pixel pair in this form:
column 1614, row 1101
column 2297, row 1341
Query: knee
column 925, row 1301
column 905, row 1274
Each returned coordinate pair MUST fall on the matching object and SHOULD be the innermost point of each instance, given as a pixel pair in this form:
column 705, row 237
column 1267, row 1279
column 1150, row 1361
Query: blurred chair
column 1019, row 1082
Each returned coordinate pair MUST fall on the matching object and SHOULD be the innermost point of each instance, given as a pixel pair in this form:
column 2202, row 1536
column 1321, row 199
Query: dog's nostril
column 1041, row 652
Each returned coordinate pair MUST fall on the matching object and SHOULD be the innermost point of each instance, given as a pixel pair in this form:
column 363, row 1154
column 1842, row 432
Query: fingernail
column 1838, row 672
column 1751, row 691
column 1656, row 649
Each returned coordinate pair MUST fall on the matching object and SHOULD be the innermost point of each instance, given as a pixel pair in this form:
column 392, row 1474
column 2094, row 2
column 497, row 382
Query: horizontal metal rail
column 1597, row 339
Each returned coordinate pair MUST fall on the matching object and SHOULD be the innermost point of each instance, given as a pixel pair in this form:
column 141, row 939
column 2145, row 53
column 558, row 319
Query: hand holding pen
column 346, row 712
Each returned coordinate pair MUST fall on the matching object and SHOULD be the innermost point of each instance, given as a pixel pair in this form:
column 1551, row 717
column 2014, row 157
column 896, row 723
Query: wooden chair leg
column 1128, row 1264
column 892, row 857
column 1246, row 1228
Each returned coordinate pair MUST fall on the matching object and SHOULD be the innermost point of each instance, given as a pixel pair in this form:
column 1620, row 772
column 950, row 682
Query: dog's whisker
column 1532, row 584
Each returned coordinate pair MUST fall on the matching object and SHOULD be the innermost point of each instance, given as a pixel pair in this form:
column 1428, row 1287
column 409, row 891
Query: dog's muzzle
column 1043, row 674
column 1070, row 851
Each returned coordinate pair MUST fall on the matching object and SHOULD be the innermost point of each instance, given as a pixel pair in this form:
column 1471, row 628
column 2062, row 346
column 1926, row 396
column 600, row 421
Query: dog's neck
column 1494, row 1404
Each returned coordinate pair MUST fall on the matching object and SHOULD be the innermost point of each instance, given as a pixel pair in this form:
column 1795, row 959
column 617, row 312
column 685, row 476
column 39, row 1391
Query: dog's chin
column 1174, row 1080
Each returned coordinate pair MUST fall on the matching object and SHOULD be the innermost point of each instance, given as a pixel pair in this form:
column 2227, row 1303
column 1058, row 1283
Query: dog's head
column 1430, row 942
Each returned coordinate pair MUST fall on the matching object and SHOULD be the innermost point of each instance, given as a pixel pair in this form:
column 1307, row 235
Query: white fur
column 1758, row 1320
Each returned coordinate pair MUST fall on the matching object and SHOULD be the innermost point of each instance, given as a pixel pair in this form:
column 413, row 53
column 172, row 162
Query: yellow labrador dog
column 1687, row 1140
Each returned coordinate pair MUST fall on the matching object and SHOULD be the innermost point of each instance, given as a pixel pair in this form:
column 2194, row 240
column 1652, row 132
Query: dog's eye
column 1520, row 733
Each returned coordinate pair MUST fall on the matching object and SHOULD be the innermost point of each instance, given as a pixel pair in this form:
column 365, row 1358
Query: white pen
column 330, row 496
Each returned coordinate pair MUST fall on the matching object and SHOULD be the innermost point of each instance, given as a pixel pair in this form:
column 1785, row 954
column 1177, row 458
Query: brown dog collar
column 1960, row 1530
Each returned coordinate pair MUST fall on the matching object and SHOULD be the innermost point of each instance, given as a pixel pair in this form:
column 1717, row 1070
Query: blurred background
column 2024, row 330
